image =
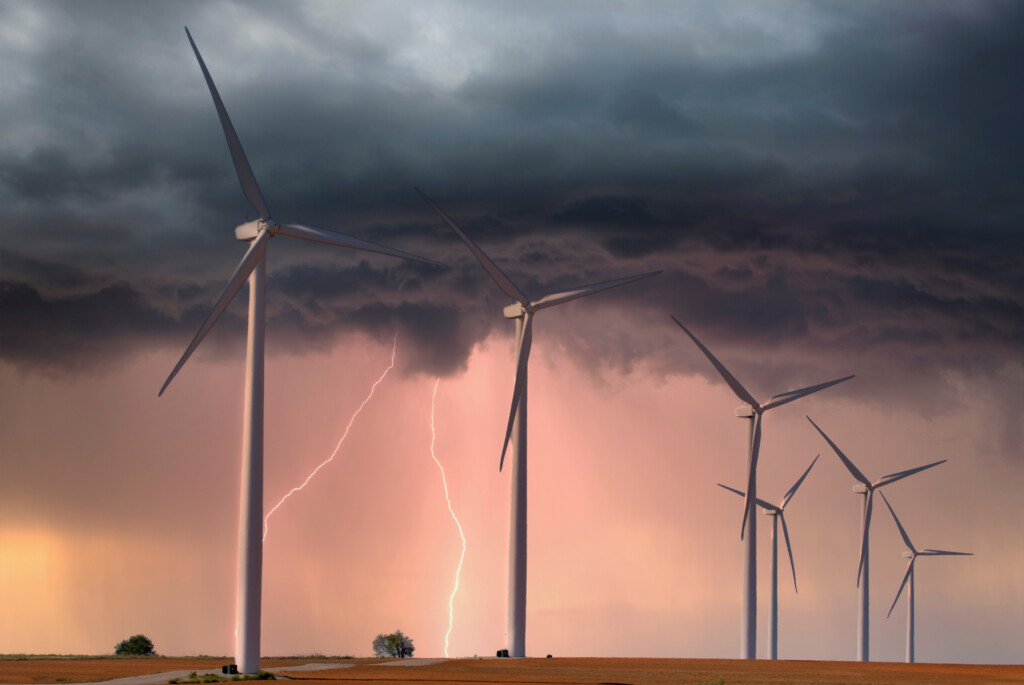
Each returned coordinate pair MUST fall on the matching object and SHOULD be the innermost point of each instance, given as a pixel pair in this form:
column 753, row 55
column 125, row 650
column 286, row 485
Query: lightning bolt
column 444, row 481
column 327, row 461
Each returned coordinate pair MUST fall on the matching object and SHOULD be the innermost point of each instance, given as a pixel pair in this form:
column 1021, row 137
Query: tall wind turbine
column 866, row 488
column 776, row 511
column 752, row 411
column 253, row 267
column 912, row 554
column 522, row 310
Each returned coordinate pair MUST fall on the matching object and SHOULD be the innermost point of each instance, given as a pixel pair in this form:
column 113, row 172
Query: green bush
column 395, row 645
column 136, row 645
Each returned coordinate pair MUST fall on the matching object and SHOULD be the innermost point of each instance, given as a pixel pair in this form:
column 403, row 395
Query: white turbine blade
column 789, row 548
column 245, row 176
column 903, row 532
column 760, row 502
column 755, row 449
column 522, row 359
column 584, row 290
column 906, row 576
column 737, row 388
column 503, row 281
column 238, row 278
column 944, row 553
column 319, row 235
column 893, row 477
column 867, row 528
column 786, row 397
column 839, row 453
column 792, row 490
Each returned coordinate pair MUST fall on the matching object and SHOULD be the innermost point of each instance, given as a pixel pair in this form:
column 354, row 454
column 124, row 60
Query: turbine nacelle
column 248, row 231
column 907, row 554
column 745, row 412
column 514, row 311
column 859, row 488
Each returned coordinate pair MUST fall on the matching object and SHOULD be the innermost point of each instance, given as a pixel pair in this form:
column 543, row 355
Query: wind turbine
column 777, row 514
column 866, row 488
column 752, row 411
column 912, row 554
column 253, row 267
column 522, row 310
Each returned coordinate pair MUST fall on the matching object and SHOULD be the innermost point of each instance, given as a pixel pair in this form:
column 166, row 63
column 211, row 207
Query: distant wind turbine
column 253, row 268
column 777, row 514
column 752, row 410
column 912, row 554
column 522, row 310
column 866, row 488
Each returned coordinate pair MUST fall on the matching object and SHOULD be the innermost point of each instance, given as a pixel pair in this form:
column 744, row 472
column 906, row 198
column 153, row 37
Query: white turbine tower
column 866, row 488
column 522, row 310
column 253, row 267
column 912, row 554
column 777, row 512
column 752, row 411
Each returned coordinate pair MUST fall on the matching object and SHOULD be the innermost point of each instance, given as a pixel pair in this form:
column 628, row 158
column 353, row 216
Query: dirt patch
column 567, row 671
column 80, row 670
column 674, row 671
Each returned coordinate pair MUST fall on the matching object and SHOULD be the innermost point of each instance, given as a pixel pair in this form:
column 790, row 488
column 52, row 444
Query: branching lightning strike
column 327, row 461
column 444, row 481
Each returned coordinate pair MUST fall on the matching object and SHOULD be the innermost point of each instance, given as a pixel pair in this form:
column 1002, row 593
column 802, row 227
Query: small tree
column 136, row 645
column 395, row 645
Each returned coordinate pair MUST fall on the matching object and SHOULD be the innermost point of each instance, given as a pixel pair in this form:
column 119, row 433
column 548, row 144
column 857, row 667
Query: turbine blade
column 319, row 235
column 503, row 281
column 893, row 477
column 737, row 388
column 944, row 553
column 738, row 492
column 903, row 533
column 789, row 548
column 755, row 448
column 522, row 359
column 760, row 502
column 255, row 252
column 786, row 397
column 839, row 453
column 867, row 528
column 582, row 291
column 906, row 576
column 245, row 176
column 792, row 490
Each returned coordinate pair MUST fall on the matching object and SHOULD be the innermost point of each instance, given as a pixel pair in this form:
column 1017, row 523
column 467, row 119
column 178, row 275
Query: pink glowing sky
column 828, row 188
column 119, row 515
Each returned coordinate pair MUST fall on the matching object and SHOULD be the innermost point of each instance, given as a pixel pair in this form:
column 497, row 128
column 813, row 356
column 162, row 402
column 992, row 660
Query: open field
column 588, row 671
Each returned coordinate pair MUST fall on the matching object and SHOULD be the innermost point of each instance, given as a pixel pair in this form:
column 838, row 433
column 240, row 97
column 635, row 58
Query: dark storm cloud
column 62, row 333
column 829, row 180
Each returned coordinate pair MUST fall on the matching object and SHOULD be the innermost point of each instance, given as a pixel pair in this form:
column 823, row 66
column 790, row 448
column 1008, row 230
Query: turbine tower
column 912, row 554
column 866, row 488
column 253, row 268
column 752, row 411
column 777, row 514
column 522, row 310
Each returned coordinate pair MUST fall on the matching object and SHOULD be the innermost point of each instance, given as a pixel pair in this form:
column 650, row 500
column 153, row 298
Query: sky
column 828, row 188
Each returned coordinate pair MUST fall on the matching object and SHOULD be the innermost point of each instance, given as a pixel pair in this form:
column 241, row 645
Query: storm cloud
column 842, row 178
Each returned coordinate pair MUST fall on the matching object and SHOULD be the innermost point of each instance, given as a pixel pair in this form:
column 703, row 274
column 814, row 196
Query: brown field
column 583, row 671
